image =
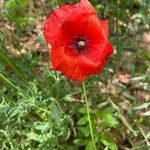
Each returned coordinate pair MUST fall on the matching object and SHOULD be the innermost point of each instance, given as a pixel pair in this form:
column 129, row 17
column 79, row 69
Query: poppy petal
column 89, row 67
column 86, row 5
column 93, row 30
column 81, row 13
column 108, row 50
column 104, row 26
column 66, row 64
column 94, row 61
column 53, row 26
column 95, row 51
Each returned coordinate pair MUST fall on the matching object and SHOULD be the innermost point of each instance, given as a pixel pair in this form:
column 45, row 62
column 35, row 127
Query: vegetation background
column 42, row 110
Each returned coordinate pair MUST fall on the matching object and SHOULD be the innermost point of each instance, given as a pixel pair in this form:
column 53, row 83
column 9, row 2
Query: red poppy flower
column 79, row 40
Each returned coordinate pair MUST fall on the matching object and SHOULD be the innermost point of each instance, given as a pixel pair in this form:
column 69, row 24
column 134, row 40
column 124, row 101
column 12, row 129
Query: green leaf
column 139, row 78
column 143, row 106
column 23, row 3
column 89, row 146
column 82, row 121
column 82, row 110
column 80, row 142
column 85, row 130
column 32, row 136
column 108, row 119
column 147, row 113
column 40, row 38
column 42, row 127
column 108, row 142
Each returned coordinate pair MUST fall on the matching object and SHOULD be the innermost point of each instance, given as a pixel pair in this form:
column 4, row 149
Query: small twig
column 11, row 41
column 44, row 10
column 142, row 132
column 123, row 119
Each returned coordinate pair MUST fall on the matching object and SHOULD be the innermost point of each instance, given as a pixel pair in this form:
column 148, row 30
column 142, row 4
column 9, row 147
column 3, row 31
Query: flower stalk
column 88, row 115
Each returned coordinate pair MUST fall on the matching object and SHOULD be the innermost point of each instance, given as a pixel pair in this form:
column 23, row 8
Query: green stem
column 88, row 115
column 117, row 30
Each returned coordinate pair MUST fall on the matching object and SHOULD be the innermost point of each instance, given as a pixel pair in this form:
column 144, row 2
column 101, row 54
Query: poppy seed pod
column 79, row 40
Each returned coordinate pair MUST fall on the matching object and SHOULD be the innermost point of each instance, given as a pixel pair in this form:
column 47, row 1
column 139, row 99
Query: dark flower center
column 80, row 44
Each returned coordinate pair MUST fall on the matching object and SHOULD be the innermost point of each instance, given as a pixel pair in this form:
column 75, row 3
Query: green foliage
column 40, row 109
column 17, row 11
